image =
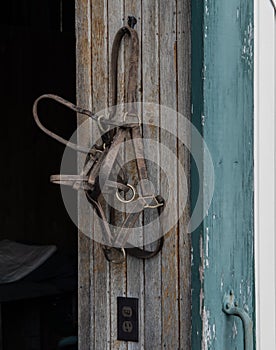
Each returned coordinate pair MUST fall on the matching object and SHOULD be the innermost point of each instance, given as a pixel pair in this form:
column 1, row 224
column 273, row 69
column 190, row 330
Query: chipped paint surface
column 247, row 47
column 222, row 99
column 234, row 330
column 221, row 284
column 209, row 330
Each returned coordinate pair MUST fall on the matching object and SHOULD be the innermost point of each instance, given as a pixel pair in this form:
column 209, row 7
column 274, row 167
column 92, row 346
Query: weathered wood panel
column 223, row 110
column 100, row 271
column 118, row 273
column 135, row 269
column 183, row 106
column 168, row 97
column 151, row 87
column 84, row 95
column 163, row 283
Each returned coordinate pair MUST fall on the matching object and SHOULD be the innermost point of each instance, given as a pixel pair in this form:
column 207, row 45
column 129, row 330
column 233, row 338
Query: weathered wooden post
column 161, row 284
column 223, row 100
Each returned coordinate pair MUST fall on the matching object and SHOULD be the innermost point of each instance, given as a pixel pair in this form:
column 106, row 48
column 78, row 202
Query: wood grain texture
column 223, row 110
column 99, row 54
column 183, row 101
column 84, row 93
column 162, row 284
column 135, row 269
column 117, row 272
column 168, row 97
column 150, row 79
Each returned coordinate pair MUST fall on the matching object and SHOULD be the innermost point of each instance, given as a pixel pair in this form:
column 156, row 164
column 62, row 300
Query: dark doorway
column 37, row 48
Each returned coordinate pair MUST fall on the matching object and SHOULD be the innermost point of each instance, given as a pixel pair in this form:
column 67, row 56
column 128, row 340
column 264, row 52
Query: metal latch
column 230, row 307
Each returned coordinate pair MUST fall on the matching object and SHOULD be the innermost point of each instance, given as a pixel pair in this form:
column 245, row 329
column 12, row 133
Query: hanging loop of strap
column 132, row 68
column 103, row 122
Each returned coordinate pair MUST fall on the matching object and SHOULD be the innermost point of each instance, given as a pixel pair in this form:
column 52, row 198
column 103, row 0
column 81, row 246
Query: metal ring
column 132, row 115
column 120, row 261
column 116, row 261
column 126, row 200
column 100, row 124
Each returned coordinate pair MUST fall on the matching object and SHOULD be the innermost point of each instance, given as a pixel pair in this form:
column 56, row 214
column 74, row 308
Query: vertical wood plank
column 99, row 28
column 168, row 93
column 150, row 79
column 83, row 82
column 184, row 108
column 135, row 267
column 117, row 272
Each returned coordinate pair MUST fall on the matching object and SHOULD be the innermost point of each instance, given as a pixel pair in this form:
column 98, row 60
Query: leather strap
column 121, row 239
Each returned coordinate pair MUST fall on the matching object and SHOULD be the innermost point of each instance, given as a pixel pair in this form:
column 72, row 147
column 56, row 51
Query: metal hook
column 230, row 307
column 131, row 21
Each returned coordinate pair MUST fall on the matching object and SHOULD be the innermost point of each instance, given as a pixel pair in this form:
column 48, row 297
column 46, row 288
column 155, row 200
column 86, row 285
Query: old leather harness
column 102, row 157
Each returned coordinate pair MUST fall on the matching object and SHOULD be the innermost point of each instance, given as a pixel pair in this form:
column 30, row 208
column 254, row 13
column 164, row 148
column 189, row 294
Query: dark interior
column 37, row 48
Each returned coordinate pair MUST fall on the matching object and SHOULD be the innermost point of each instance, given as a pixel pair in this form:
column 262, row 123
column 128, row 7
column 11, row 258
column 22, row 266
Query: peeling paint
column 205, row 31
column 201, row 267
column 249, row 292
column 234, row 330
column 201, row 299
column 204, row 72
column 214, row 331
column 206, row 8
column 224, row 81
column 221, row 284
column 201, row 274
column 247, row 46
column 207, row 248
column 208, row 331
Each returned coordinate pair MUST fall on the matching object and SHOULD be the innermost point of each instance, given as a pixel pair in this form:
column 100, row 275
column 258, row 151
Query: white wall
column 265, row 58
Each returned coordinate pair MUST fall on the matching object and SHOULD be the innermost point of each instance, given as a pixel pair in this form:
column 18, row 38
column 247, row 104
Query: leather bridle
column 101, row 158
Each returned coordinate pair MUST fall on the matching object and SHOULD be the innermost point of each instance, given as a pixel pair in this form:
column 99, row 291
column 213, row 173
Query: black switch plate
column 128, row 319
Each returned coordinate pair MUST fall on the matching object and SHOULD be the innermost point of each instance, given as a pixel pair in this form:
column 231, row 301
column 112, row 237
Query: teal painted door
column 222, row 109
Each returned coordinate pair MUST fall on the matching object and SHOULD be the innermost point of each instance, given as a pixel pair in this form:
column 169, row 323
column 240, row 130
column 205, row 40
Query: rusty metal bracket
column 231, row 307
